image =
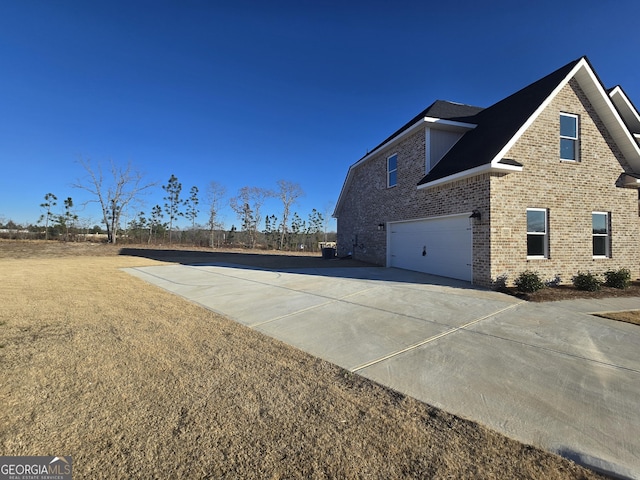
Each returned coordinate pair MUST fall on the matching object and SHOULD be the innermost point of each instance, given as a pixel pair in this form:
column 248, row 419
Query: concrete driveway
column 550, row 375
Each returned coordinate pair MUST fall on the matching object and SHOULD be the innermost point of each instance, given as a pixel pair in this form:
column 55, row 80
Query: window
column 392, row 170
column 537, row 233
column 600, row 228
column 568, row 137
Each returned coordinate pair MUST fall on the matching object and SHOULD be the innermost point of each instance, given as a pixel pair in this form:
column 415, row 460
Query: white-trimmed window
column 537, row 233
column 601, row 234
column 392, row 170
column 569, row 141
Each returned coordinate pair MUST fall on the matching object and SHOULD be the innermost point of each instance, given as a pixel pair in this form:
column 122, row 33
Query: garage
column 439, row 246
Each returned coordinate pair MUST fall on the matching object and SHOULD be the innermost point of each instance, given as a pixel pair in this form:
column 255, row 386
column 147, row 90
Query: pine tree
column 50, row 201
column 172, row 201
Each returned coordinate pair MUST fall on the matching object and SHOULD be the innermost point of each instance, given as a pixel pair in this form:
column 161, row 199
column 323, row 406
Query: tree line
column 119, row 193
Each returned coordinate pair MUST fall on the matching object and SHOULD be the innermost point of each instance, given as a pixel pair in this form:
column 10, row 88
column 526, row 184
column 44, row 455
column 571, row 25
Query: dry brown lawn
column 632, row 316
column 134, row 382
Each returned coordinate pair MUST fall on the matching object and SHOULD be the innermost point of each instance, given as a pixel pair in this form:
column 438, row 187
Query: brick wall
column 570, row 191
column 368, row 202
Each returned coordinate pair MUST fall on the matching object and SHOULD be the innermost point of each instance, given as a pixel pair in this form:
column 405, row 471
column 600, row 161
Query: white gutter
column 487, row 168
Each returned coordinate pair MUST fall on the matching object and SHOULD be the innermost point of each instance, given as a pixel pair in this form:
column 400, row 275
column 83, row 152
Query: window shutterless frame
column 569, row 137
column 537, row 233
column 601, row 234
column 392, row 170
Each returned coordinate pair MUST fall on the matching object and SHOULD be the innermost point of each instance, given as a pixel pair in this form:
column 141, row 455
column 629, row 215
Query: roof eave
column 450, row 123
column 610, row 115
column 622, row 102
column 630, row 181
column 487, row 168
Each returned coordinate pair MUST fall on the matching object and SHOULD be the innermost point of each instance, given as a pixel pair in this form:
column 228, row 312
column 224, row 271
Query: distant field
column 134, row 382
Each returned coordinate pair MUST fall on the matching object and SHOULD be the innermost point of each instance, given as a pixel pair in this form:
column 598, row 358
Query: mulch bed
column 569, row 292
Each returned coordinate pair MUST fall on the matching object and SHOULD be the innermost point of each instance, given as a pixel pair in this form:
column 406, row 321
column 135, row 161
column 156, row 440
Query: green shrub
column 500, row 283
column 618, row 278
column 529, row 282
column 587, row 281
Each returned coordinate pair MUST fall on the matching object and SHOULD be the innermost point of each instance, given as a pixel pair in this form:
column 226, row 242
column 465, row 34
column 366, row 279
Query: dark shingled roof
column 496, row 125
column 457, row 112
column 449, row 111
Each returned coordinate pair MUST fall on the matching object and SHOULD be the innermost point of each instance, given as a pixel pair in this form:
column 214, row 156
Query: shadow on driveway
column 269, row 261
column 292, row 263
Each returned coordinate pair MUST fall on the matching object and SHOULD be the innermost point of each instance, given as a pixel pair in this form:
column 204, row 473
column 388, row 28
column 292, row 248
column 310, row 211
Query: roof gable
column 502, row 124
column 497, row 125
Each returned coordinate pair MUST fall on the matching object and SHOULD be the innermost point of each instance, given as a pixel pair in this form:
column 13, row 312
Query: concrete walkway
column 550, row 374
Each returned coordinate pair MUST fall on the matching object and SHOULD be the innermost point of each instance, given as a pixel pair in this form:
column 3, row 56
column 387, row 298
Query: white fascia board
column 621, row 100
column 502, row 167
column 608, row 112
column 450, row 123
column 615, row 91
column 347, row 181
column 401, row 135
column 487, row 168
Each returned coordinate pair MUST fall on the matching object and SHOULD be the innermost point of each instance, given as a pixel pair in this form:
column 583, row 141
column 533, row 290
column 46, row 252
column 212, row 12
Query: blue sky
column 245, row 93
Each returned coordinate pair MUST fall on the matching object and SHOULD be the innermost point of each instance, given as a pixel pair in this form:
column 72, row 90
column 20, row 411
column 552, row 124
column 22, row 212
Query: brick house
column 546, row 180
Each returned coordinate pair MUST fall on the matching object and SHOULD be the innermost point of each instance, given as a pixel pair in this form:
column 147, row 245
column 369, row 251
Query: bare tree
column 247, row 205
column 114, row 194
column 288, row 193
column 215, row 195
column 328, row 209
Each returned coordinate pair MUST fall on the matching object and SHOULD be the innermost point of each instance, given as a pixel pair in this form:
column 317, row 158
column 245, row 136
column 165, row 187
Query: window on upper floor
column 392, row 170
column 601, row 234
column 569, row 141
column 537, row 233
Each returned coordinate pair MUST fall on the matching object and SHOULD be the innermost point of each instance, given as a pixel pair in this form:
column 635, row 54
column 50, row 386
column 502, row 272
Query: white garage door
column 440, row 246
